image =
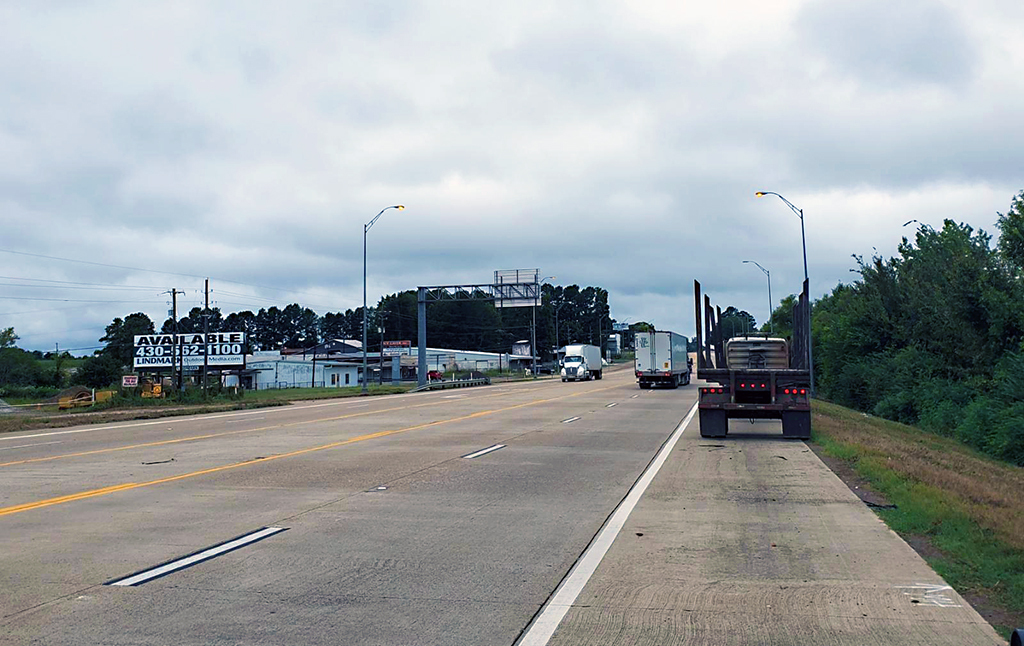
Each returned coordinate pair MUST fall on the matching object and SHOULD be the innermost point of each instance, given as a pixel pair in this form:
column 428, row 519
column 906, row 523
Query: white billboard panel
column 222, row 350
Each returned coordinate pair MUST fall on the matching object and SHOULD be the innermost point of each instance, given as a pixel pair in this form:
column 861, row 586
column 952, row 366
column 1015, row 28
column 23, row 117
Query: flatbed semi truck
column 752, row 377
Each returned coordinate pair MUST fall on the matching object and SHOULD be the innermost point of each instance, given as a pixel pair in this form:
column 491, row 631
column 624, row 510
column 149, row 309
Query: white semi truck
column 581, row 362
column 661, row 359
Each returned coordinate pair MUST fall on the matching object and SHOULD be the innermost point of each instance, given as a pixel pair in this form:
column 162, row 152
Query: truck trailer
column 581, row 362
column 753, row 377
column 661, row 359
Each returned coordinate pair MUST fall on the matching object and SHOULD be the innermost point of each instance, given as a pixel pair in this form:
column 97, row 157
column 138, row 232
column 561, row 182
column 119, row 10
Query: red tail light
column 803, row 391
column 786, row 391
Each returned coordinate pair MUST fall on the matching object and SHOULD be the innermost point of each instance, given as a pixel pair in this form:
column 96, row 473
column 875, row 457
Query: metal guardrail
column 459, row 383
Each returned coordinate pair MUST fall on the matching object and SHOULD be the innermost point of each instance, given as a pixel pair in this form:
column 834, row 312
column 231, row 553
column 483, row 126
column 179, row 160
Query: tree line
column 933, row 336
column 569, row 314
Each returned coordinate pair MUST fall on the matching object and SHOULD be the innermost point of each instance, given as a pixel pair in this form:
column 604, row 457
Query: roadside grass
column 134, row 408
column 969, row 507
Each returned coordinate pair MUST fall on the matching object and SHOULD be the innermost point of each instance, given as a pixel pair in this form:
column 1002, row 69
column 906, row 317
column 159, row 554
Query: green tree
column 120, row 337
column 19, row 368
column 99, row 371
column 1011, row 233
column 736, row 322
column 8, row 338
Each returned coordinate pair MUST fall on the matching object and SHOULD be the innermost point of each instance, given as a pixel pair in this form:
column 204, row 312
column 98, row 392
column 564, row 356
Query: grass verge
column 963, row 511
column 137, row 408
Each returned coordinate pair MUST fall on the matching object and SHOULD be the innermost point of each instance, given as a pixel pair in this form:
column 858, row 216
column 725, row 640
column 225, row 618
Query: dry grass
column 989, row 492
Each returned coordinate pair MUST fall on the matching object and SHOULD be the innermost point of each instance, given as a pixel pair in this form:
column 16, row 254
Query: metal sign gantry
column 520, row 292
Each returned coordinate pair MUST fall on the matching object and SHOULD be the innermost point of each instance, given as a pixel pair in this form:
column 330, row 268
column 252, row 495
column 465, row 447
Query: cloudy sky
column 607, row 143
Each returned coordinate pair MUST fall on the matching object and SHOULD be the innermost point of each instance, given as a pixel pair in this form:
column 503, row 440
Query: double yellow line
column 49, row 502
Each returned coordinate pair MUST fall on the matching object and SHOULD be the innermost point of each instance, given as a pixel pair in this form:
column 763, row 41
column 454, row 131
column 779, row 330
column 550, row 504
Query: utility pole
column 206, row 335
column 175, row 355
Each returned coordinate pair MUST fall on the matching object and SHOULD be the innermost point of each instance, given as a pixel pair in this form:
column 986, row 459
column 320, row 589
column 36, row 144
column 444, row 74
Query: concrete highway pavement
column 751, row 539
column 392, row 536
column 450, row 551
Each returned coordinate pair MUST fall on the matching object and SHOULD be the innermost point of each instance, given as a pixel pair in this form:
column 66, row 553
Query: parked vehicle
column 661, row 359
column 581, row 362
column 753, row 377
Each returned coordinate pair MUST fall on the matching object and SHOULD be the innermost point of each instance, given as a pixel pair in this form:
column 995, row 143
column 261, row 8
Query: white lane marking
column 571, row 419
column 556, row 607
column 611, row 405
column 198, row 557
column 484, row 451
column 23, row 446
column 634, row 396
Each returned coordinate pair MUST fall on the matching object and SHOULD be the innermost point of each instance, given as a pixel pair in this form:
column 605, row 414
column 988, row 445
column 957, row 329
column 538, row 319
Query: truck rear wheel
column 713, row 423
column 597, row 375
column 674, row 382
column 797, row 425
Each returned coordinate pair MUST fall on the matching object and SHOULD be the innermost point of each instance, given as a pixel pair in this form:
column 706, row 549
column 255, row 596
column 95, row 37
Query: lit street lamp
column 366, row 229
column 803, row 240
column 771, row 324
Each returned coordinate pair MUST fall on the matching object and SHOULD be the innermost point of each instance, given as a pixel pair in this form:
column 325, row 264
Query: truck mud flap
column 796, row 424
column 713, row 423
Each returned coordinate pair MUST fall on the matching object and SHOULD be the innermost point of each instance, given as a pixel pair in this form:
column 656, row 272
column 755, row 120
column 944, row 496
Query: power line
column 68, row 282
column 115, row 289
column 66, row 300
column 151, row 271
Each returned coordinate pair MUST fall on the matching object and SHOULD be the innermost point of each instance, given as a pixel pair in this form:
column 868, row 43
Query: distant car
column 435, row 375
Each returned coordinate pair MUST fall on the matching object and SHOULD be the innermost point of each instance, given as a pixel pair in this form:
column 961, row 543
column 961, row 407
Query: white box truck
column 581, row 362
column 661, row 359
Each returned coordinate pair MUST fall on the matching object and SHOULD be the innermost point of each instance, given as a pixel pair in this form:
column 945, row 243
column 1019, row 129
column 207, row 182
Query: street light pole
column 533, row 331
column 803, row 240
column 366, row 229
column 771, row 323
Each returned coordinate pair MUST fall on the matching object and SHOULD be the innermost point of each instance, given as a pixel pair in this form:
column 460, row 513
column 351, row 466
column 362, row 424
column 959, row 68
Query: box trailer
column 661, row 359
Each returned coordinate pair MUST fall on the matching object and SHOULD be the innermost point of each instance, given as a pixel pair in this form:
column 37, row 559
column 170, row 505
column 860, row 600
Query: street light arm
column 799, row 212
column 766, row 272
column 369, row 225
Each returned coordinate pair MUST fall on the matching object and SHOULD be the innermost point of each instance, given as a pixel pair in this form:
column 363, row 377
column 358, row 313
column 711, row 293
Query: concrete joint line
column 547, row 619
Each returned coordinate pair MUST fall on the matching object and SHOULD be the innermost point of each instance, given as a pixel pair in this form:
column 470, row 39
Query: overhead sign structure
column 516, row 288
column 221, row 350
column 392, row 348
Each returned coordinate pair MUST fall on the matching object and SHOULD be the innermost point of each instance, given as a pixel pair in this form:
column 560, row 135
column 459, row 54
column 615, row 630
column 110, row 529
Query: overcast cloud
column 607, row 143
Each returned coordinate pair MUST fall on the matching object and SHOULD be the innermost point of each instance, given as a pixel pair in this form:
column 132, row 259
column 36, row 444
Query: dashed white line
column 198, row 557
column 571, row 419
column 556, row 607
column 634, row 396
column 484, row 451
column 611, row 405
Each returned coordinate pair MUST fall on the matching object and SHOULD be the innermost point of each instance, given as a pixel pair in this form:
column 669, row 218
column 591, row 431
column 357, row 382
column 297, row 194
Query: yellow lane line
column 238, row 432
column 4, row 511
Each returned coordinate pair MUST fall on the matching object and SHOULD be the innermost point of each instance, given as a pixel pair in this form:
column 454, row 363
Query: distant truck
column 661, row 359
column 581, row 362
column 752, row 377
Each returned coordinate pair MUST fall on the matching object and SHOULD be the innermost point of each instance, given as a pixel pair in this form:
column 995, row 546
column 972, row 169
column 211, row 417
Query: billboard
column 392, row 348
column 221, row 350
column 516, row 288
